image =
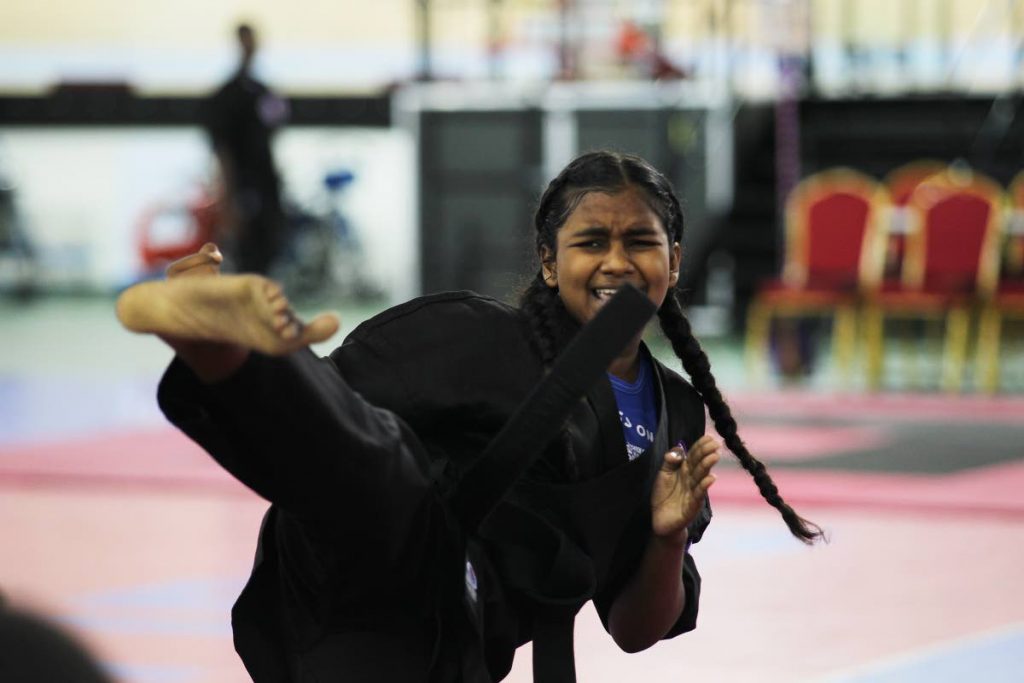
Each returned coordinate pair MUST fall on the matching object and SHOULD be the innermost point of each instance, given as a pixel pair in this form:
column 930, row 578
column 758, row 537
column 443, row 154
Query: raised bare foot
column 247, row 310
column 206, row 261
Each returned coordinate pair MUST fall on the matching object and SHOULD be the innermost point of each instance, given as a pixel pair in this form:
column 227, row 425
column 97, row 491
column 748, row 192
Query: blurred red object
column 950, row 264
column 169, row 231
column 1007, row 300
column 833, row 219
column 901, row 183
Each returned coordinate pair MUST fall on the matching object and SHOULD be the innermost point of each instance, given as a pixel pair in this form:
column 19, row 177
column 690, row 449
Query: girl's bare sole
column 247, row 310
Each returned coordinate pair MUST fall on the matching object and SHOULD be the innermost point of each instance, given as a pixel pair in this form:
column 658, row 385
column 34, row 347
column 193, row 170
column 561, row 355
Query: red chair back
column 831, row 221
column 953, row 244
column 901, row 182
column 193, row 223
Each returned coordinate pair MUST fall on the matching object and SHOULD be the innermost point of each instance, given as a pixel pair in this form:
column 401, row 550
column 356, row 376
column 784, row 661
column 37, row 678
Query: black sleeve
column 692, row 428
column 687, row 620
column 291, row 429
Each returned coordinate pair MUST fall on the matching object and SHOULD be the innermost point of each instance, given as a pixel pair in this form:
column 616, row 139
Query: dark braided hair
column 551, row 326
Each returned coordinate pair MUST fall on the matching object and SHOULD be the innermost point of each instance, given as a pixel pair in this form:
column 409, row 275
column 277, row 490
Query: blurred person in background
column 240, row 119
column 18, row 258
column 364, row 572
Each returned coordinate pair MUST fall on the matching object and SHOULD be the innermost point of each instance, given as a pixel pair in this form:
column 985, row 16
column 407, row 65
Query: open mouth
column 604, row 294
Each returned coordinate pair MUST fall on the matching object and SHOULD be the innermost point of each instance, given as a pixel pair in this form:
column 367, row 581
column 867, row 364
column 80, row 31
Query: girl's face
column 607, row 241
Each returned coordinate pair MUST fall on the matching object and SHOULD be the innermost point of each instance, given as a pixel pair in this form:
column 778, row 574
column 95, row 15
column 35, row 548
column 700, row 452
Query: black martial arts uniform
column 361, row 572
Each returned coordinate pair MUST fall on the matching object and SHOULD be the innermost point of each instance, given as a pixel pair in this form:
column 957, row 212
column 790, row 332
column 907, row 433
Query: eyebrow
column 601, row 231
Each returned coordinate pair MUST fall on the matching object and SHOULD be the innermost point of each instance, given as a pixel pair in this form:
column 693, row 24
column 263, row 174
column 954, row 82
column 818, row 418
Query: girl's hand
column 680, row 487
column 206, row 261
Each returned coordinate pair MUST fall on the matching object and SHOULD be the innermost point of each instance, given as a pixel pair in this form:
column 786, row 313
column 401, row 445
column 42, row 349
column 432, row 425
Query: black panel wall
column 481, row 175
column 479, row 181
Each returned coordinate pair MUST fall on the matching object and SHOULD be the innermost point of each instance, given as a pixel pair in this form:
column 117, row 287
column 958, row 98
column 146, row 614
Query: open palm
column 680, row 487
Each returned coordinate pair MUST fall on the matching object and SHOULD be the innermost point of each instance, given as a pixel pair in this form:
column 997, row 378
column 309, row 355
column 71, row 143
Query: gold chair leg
column 987, row 360
column 955, row 351
column 874, row 345
column 759, row 319
column 844, row 341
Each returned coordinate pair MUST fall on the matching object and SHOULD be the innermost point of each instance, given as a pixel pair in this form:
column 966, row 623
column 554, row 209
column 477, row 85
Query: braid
column 677, row 328
column 536, row 303
column 610, row 172
column 546, row 318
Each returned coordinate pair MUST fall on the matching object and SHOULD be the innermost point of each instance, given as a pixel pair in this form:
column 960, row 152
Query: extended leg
column 247, row 310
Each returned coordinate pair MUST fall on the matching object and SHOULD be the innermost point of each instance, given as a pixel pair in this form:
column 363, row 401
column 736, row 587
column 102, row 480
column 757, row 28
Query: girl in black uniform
column 363, row 571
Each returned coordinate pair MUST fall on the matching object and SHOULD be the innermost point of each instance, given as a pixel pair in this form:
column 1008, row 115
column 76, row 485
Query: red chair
column 1007, row 301
column 833, row 220
column 167, row 232
column 901, row 183
column 950, row 264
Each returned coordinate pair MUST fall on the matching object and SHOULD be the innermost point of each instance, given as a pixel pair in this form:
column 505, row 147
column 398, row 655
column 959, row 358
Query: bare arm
column 654, row 597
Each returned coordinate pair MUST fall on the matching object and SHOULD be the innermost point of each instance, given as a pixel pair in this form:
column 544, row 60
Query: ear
column 675, row 258
column 547, row 267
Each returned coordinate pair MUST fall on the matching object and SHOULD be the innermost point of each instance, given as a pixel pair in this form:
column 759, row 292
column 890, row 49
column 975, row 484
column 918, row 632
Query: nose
column 616, row 260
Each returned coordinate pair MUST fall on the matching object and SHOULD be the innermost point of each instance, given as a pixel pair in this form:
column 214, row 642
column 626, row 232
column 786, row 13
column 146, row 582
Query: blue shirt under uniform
column 637, row 408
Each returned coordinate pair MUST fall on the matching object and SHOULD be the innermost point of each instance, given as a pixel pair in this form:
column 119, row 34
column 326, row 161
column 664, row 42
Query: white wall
column 380, row 202
column 81, row 191
column 189, row 45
